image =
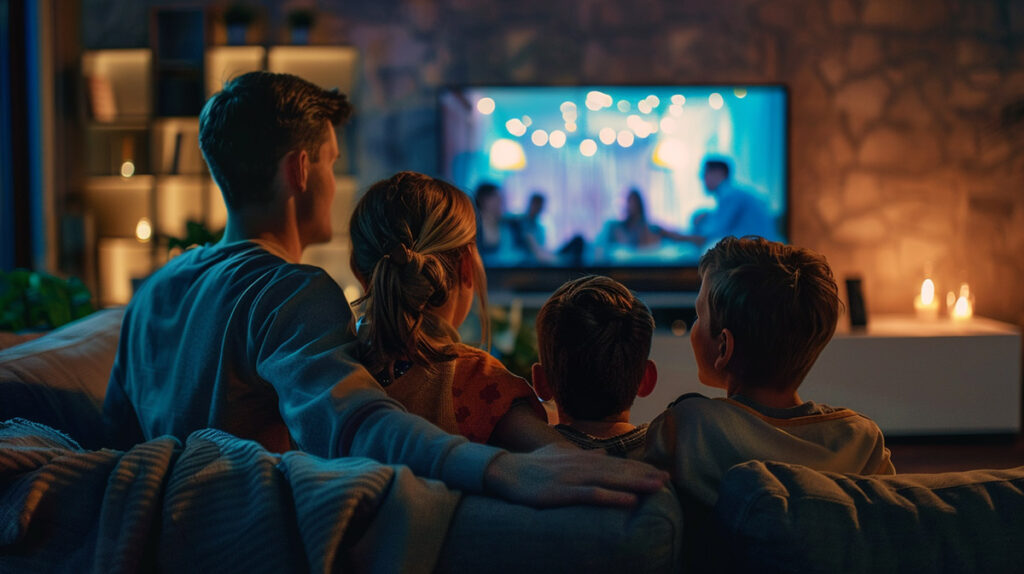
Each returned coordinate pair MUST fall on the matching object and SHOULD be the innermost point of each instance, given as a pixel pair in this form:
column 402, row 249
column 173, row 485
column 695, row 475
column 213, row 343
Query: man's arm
column 333, row 407
column 563, row 475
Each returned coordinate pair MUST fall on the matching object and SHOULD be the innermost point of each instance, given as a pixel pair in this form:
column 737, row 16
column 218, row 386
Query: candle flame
column 964, row 306
column 927, row 292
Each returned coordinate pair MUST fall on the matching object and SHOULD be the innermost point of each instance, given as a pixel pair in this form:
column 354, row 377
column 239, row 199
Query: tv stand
column 680, row 300
column 913, row 377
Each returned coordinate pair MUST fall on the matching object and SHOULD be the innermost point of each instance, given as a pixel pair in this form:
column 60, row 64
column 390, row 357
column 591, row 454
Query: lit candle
column 926, row 305
column 963, row 307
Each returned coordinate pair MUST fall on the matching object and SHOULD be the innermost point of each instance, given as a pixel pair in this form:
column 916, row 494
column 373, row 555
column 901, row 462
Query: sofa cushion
column 788, row 518
column 60, row 379
column 489, row 535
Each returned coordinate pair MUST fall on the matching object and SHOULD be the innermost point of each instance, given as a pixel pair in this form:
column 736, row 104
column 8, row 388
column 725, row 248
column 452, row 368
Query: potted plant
column 300, row 21
column 32, row 300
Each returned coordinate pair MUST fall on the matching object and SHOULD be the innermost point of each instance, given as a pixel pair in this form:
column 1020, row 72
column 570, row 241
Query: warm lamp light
column 143, row 230
column 926, row 304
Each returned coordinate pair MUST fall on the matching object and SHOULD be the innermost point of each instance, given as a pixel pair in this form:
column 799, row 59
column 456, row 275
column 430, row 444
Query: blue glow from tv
column 584, row 149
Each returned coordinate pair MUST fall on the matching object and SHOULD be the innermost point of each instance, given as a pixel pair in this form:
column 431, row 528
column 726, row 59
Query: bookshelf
column 144, row 169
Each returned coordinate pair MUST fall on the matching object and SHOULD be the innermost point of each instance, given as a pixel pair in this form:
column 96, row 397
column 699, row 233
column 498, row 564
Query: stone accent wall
column 901, row 159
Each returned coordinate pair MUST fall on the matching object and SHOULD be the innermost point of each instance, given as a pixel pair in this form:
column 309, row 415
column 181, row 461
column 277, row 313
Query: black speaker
column 855, row 303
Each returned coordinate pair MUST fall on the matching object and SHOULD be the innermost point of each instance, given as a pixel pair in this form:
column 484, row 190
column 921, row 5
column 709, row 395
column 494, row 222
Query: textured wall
column 900, row 160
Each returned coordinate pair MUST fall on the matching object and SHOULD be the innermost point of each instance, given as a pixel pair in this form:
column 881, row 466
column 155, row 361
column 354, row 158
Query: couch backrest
column 60, row 379
column 787, row 518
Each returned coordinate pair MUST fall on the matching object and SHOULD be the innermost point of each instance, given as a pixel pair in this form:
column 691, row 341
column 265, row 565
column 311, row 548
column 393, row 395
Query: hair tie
column 400, row 254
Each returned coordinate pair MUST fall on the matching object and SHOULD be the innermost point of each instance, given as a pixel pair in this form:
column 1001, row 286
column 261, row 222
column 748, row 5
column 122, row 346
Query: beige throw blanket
column 218, row 504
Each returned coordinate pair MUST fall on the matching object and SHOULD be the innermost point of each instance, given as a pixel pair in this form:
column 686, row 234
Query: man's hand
column 558, row 476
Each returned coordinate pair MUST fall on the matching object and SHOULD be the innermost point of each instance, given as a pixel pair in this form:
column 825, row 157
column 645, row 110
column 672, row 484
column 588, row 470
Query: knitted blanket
column 216, row 503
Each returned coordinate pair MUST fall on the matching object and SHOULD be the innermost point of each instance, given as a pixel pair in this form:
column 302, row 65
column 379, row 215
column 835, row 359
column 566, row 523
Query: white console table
column 911, row 376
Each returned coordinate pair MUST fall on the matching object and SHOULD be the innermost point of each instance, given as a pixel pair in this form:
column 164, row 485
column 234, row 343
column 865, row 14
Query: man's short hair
column 717, row 164
column 780, row 302
column 594, row 338
column 246, row 128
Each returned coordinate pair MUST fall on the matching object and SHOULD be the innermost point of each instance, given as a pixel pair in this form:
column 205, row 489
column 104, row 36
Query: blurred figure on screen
column 635, row 233
column 530, row 238
column 495, row 237
column 530, row 232
column 738, row 211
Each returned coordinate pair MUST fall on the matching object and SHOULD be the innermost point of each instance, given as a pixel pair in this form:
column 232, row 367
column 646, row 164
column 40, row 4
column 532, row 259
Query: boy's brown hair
column 594, row 337
column 780, row 302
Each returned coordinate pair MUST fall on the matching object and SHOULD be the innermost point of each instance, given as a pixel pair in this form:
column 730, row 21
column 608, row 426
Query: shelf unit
column 145, row 170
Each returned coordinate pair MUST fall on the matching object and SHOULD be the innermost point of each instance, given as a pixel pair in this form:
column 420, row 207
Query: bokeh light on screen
column 485, row 106
column 597, row 100
column 588, row 147
column 740, row 92
column 527, row 121
column 669, row 153
column 623, row 106
column 607, row 136
column 127, row 169
column 716, row 101
column 569, row 113
column 625, row 138
column 507, row 155
column 557, row 139
column 539, row 138
column 678, row 100
column 516, row 127
column 570, row 126
column 643, row 107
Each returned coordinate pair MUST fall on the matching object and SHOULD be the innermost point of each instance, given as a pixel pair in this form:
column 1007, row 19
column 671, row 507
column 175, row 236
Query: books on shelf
column 102, row 102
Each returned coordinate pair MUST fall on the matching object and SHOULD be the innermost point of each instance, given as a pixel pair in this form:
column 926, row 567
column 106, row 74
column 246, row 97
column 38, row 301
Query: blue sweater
column 233, row 337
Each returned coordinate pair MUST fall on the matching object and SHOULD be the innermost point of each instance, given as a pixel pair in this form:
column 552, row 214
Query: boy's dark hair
column 246, row 128
column 780, row 302
column 594, row 337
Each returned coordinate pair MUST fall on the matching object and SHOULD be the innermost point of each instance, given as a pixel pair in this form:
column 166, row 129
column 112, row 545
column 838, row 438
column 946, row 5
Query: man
column 239, row 336
column 738, row 212
column 529, row 232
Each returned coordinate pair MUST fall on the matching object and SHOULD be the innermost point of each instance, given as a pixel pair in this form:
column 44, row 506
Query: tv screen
column 627, row 179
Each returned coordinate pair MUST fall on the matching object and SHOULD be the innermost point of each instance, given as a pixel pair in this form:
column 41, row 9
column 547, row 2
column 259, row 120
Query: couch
column 66, row 502
column 216, row 502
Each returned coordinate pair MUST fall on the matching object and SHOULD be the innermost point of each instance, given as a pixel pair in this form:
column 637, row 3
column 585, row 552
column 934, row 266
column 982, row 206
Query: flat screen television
column 635, row 182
